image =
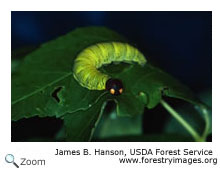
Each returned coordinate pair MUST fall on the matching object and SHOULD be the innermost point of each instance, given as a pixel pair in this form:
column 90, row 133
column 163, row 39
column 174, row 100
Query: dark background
column 179, row 42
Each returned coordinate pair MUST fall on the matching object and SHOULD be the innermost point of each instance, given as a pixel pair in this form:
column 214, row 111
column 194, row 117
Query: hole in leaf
column 55, row 94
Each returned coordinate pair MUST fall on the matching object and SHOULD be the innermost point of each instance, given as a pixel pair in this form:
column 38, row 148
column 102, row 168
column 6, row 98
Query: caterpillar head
column 114, row 86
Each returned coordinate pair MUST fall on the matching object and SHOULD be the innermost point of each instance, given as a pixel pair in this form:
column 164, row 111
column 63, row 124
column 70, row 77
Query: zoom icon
column 9, row 158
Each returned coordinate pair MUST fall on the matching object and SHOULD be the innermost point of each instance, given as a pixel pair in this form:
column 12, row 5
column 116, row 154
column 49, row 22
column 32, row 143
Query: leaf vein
column 40, row 89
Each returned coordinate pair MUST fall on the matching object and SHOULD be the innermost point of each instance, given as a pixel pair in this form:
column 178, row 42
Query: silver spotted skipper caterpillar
column 89, row 60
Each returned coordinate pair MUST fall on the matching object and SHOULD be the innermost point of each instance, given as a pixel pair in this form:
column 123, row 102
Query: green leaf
column 149, row 84
column 80, row 125
column 128, row 105
column 17, row 56
column 111, row 125
column 50, row 68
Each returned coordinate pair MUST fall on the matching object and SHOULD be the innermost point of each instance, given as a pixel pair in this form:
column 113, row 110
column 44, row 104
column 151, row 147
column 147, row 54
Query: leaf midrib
column 40, row 89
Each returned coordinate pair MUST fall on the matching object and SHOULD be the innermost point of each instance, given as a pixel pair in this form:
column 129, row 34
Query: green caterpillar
column 89, row 60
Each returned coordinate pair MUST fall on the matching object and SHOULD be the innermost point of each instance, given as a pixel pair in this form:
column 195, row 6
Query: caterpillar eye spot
column 120, row 90
column 112, row 91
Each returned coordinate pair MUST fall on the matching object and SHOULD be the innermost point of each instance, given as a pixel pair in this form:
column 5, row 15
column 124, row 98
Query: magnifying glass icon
column 9, row 158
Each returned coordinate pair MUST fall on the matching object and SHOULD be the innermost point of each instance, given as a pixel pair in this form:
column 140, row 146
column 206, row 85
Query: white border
column 46, row 150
